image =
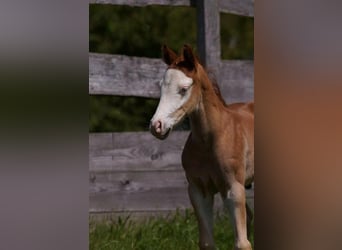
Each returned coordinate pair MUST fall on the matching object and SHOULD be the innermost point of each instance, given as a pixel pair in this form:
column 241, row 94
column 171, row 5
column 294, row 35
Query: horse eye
column 182, row 91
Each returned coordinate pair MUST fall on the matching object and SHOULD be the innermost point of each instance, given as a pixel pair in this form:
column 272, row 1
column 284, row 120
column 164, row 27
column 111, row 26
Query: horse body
column 218, row 156
column 213, row 159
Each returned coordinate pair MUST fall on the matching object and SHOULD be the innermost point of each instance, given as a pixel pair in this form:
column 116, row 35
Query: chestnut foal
column 219, row 153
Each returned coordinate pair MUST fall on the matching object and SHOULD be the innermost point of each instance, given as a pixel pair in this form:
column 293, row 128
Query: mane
column 213, row 80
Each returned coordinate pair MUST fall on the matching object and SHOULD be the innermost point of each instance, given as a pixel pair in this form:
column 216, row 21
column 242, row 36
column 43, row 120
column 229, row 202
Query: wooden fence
column 132, row 172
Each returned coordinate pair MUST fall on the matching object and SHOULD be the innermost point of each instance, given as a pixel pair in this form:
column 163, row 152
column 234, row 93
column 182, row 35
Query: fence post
column 208, row 34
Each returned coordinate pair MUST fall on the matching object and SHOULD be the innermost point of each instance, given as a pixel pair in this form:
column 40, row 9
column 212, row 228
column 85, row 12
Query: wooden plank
column 208, row 35
column 124, row 75
column 238, row 7
column 170, row 161
column 144, row 2
column 136, row 151
column 144, row 140
column 135, row 181
column 137, row 76
column 131, row 181
column 167, row 198
column 237, row 77
column 146, row 200
column 138, row 191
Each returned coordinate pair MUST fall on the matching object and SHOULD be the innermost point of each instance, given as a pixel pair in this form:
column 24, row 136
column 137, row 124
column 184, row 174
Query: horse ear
column 169, row 56
column 189, row 57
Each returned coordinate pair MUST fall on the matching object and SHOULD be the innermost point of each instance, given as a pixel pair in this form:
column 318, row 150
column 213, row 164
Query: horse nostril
column 158, row 126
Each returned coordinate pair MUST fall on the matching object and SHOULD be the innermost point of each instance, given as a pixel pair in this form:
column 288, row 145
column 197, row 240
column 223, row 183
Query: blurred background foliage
column 140, row 31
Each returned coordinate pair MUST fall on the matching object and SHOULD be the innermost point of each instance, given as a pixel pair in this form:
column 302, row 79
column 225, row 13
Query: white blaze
column 172, row 97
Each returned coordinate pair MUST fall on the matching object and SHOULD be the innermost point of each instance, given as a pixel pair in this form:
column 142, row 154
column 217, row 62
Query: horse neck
column 205, row 119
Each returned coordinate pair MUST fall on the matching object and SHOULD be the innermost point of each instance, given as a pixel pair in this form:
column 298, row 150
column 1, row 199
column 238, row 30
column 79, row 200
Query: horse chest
column 201, row 168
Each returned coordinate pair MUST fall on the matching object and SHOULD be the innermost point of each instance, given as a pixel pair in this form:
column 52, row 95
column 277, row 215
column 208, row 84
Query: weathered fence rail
column 132, row 172
column 137, row 76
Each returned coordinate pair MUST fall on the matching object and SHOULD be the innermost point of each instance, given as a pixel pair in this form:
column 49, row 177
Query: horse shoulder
column 242, row 107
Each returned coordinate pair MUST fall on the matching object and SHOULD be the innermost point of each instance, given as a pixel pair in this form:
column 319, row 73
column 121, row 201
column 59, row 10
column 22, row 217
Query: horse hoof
column 245, row 247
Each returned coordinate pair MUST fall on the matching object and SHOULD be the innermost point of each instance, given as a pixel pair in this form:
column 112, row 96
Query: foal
column 219, row 154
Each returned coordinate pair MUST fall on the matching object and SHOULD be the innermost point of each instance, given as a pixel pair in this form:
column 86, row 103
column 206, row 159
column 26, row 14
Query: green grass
column 178, row 232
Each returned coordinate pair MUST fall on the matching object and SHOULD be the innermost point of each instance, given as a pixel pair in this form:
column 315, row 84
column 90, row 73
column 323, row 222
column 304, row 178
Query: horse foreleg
column 203, row 206
column 235, row 202
column 249, row 220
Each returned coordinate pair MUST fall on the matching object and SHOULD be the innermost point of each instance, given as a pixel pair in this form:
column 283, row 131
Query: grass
column 178, row 232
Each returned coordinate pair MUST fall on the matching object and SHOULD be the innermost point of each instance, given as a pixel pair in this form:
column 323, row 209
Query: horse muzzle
column 156, row 129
